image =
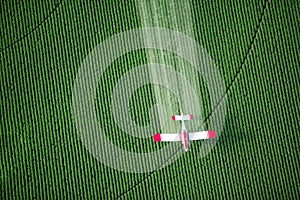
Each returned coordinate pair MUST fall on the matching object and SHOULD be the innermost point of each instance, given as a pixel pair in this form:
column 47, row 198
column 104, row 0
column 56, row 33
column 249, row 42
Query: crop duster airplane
column 184, row 137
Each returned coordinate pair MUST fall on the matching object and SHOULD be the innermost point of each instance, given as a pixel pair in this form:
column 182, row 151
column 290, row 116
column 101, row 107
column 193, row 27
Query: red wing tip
column 191, row 117
column 157, row 138
column 173, row 118
column 212, row 134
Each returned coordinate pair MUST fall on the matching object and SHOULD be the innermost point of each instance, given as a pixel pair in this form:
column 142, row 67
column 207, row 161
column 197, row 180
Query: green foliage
column 254, row 44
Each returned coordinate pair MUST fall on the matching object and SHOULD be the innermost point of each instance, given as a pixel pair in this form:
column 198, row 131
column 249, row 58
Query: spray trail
column 176, row 16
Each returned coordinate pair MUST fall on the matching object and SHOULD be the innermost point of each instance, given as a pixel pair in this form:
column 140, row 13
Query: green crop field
column 46, row 150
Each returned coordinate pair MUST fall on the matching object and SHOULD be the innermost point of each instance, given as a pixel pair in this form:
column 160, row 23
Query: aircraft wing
column 202, row 135
column 167, row 137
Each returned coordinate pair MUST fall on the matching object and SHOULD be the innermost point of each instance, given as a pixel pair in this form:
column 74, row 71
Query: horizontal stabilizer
column 184, row 117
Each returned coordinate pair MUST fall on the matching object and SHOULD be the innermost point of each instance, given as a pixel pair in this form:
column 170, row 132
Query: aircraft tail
column 182, row 117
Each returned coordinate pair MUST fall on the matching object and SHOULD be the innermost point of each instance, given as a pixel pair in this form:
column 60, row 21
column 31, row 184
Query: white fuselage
column 184, row 137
